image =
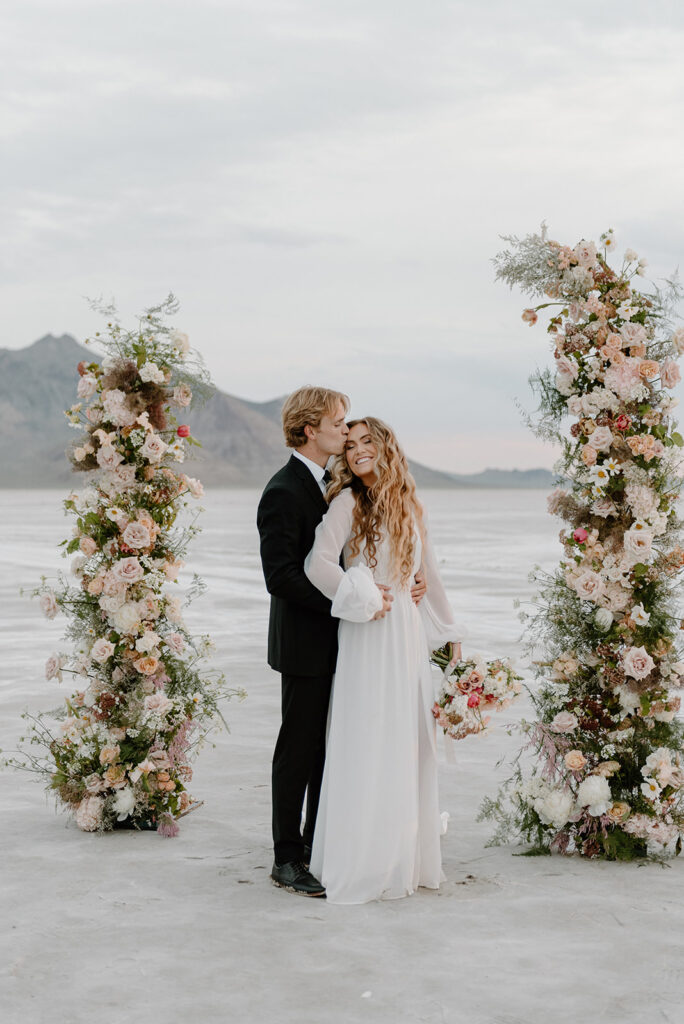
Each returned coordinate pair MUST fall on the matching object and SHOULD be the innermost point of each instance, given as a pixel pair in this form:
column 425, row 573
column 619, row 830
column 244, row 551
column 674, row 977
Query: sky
column 323, row 186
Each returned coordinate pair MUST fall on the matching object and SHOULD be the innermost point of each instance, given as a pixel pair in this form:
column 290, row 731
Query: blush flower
column 637, row 662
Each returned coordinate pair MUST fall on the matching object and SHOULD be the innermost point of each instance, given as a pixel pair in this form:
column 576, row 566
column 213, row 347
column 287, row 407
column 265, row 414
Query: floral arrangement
column 470, row 688
column 607, row 775
column 120, row 755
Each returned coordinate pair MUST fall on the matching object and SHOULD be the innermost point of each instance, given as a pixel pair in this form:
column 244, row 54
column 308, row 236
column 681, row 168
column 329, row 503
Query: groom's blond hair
column 306, row 407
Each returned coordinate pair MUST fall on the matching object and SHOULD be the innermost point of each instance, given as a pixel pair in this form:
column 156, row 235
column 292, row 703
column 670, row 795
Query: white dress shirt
column 317, row 471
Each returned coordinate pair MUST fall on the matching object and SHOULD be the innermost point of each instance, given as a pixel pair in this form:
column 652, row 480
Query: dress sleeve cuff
column 357, row 598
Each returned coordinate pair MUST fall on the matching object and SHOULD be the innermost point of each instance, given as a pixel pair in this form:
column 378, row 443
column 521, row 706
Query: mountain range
column 242, row 440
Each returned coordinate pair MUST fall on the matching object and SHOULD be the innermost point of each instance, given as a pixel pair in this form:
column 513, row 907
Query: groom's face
column 332, row 431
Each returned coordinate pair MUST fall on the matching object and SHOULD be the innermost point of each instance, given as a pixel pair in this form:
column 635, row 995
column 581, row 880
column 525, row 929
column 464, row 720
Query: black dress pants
column 298, row 763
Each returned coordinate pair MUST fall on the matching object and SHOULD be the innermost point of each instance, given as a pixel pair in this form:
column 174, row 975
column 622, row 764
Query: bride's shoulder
column 344, row 500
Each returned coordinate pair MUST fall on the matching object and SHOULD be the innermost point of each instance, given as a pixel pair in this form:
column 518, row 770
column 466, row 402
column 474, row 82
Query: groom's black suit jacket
column 302, row 634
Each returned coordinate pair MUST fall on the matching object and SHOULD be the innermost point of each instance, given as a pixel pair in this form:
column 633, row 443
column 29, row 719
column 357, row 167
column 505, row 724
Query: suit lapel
column 307, row 478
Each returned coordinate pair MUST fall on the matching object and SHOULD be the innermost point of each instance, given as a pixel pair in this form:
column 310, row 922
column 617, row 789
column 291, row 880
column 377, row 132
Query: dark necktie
column 327, row 477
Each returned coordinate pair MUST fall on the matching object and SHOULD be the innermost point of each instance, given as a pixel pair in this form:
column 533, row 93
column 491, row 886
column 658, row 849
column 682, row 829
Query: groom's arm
column 281, row 558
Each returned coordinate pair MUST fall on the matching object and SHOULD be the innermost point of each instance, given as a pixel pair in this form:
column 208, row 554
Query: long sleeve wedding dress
column 378, row 825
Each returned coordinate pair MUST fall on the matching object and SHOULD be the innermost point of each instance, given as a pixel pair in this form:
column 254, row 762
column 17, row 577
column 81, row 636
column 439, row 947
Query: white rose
column 638, row 543
column 151, row 372
column 585, row 254
column 594, row 794
column 147, row 642
column 126, row 619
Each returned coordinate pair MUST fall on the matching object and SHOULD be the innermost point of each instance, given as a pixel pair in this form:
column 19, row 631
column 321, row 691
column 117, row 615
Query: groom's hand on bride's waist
column 386, row 601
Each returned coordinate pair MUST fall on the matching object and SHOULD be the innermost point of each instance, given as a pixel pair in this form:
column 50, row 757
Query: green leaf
column 678, row 439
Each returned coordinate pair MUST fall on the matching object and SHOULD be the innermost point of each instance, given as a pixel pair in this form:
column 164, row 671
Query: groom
column 302, row 634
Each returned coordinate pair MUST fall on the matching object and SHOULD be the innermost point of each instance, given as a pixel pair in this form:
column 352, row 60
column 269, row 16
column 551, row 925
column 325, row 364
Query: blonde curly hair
column 389, row 506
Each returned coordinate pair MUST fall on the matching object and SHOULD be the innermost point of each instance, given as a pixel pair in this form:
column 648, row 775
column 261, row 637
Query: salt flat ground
column 128, row 927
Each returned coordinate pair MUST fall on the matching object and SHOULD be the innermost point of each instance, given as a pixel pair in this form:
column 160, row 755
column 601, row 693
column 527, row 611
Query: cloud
column 324, row 184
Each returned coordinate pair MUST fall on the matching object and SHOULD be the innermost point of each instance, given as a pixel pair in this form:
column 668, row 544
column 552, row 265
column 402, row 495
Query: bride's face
column 361, row 454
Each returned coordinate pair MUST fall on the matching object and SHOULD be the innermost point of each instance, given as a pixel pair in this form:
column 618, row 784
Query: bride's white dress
column 378, row 825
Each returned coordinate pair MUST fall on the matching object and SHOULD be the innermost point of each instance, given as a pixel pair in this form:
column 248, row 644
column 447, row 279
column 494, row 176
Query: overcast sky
column 323, row 185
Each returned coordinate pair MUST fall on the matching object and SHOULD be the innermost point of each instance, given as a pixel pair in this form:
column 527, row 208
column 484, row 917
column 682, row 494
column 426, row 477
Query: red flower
column 183, row 430
column 474, row 700
column 580, row 535
column 623, row 422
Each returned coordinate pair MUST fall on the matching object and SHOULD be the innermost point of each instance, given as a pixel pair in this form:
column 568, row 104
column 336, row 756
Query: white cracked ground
column 128, row 927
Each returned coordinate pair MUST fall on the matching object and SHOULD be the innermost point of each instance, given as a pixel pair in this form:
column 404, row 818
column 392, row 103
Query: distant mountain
column 242, row 441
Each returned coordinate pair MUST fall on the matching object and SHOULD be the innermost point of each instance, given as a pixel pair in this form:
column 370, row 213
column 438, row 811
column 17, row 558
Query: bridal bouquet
column 469, row 690
column 120, row 751
column 606, row 777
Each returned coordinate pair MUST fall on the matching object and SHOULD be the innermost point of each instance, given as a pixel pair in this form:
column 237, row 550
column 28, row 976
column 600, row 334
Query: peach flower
column 575, row 760
column 148, row 665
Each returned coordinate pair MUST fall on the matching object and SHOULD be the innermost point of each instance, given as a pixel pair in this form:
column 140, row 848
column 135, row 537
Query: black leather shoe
column 294, row 877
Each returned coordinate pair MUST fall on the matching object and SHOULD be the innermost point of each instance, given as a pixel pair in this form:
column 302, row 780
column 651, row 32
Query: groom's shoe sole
column 298, row 892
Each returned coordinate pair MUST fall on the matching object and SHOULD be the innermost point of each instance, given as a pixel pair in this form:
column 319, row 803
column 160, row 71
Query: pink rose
column 182, row 395
column 589, row 455
column 87, row 546
column 473, row 700
column 101, row 650
column 589, row 586
column 175, row 641
column 183, row 430
column 53, row 667
column 87, row 386
column 637, row 662
column 153, row 448
column 602, row 438
column 159, row 704
column 632, row 334
column 194, row 486
column 48, row 604
column 580, row 535
column 107, row 457
column 567, row 367
column 623, row 422
column 564, row 721
column 669, row 374
column 137, row 535
column 128, row 570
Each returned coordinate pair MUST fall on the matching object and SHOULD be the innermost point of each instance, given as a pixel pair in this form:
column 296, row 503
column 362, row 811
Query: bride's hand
column 386, row 601
column 456, row 653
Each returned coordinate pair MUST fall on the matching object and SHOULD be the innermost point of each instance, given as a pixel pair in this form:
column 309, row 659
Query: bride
column 378, row 826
